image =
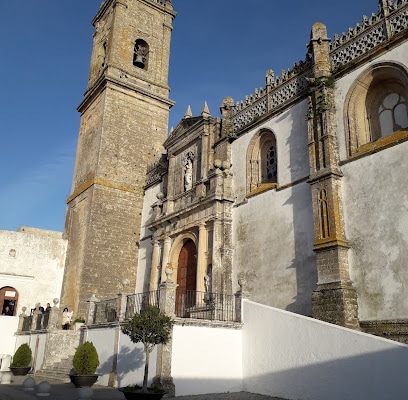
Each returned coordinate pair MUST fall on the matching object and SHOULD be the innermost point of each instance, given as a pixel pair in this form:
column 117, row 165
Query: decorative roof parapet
column 277, row 92
column 391, row 19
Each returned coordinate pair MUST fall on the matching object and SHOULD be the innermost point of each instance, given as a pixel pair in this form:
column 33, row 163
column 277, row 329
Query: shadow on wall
column 301, row 200
column 353, row 378
column 131, row 360
column 375, row 376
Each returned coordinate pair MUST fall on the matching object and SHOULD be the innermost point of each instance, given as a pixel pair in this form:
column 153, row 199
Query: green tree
column 149, row 327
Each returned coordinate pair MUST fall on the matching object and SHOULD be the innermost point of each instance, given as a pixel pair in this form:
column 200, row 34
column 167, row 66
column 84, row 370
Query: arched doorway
column 8, row 298
column 186, row 278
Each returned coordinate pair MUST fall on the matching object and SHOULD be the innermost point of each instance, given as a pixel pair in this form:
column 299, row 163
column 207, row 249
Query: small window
column 262, row 162
column 8, row 301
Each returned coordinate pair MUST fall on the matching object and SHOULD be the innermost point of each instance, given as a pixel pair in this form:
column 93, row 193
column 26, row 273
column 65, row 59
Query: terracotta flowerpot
column 20, row 371
column 132, row 394
column 83, row 380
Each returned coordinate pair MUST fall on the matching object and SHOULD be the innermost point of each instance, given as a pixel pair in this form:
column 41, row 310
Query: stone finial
column 228, row 102
column 319, row 47
column 188, row 113
column 319, row 31
column 270, row 77
column 205, row 112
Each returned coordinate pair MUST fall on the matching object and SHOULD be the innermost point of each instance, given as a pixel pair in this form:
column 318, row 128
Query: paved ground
column 67, row 391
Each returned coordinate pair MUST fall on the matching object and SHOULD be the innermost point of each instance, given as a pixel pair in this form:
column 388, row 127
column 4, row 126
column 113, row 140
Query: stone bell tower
column 124, row 121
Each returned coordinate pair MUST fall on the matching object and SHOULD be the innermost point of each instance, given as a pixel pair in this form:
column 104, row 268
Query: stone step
column 58, row 371
column 50, row 375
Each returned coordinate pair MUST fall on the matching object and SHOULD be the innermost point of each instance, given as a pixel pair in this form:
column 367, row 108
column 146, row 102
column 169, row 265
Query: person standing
column 66, row 318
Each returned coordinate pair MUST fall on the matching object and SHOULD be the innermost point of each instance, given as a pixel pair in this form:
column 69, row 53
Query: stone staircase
column 60, row 350
column 57, row 372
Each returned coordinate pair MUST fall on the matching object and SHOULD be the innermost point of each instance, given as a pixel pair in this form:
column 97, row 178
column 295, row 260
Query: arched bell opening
column 140, row 54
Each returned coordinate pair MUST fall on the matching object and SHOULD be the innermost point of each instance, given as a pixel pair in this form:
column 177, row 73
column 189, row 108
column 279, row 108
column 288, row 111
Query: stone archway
column 186, row 277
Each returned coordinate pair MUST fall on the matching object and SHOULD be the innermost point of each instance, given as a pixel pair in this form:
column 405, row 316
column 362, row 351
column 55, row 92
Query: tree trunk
column 146, row 370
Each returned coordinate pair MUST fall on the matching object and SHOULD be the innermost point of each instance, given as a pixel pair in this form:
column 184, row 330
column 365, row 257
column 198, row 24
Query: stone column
column 154, row 269
column 334, row 300
column 165, row 261
column 163, row 376
column 21, row 317
column 216, row 258
column 36, row 313
column 238, row 306
column 53, row 320
column 170, row 187
column 122, row 303
column 202, row 260
column 89, row 320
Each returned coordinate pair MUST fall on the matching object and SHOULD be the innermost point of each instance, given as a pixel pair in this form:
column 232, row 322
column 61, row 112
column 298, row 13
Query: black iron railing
column 203, row 305
column 188, row 304
column 137, row 302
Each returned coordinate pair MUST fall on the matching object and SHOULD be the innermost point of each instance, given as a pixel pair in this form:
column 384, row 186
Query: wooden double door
column 186, row 278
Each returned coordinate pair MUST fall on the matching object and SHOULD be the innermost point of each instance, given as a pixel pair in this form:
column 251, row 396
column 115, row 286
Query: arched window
column 262, row 161
column 376, row 106
column 141, row 54
column 8, row 300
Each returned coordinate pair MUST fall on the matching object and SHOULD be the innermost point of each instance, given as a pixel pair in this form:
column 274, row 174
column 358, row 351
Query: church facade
column 295, row 196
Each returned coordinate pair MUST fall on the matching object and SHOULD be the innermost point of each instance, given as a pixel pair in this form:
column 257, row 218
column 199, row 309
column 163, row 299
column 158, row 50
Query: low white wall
column 130, row 357
column 8, row 326
column 206, row 360
column 296, row 357
column 37, row 345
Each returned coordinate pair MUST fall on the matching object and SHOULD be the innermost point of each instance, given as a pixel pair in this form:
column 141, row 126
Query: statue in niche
column 208, row 279
column 188, row 171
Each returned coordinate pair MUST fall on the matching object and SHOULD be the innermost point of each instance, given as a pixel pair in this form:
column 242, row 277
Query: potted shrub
column 85, row 363
column 149, row 327
column 20, row 364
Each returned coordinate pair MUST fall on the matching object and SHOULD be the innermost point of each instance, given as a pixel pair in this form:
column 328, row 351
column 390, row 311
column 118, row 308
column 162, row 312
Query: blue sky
column 219, row 48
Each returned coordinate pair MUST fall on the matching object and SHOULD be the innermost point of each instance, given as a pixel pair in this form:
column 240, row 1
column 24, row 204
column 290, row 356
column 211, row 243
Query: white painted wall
column 206, row 360
column 290, row 131
column 273, row 231
column 130, row 359
column 273, row 242
column 8, row 326
column 374, row 192
column 36, row 270
column 295, row 357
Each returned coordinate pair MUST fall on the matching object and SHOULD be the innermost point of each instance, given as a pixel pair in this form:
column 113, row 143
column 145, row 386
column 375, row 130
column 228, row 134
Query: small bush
column 86, row 359
column 22, row 356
